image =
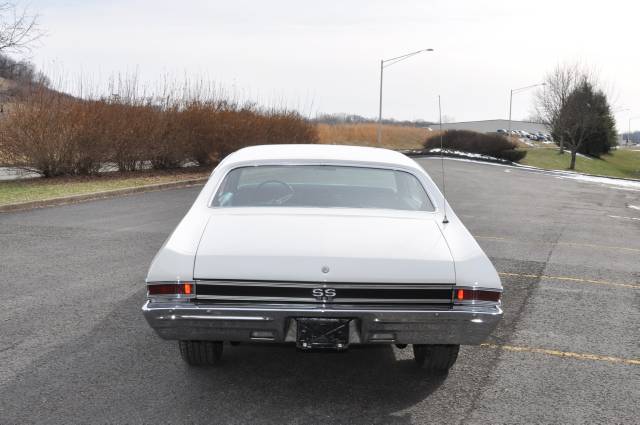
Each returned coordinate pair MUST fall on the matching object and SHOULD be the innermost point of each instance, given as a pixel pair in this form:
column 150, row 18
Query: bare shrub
column 212, row 130
column 54, row 134
column 164, row 148
column 47, row 134
column 86, row 137
column 288, row 127
column 493, row 145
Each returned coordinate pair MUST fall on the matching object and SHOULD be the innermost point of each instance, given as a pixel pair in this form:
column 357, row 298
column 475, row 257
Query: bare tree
column 18, row 28
column 551, row 99
column 577, row 110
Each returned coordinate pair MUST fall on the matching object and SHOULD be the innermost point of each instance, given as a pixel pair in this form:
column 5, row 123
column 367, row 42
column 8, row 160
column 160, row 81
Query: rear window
column 321, row 186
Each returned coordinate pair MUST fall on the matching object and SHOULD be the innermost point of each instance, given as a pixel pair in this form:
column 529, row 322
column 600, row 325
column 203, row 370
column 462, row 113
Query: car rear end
column 322, row 253
column 297, row 312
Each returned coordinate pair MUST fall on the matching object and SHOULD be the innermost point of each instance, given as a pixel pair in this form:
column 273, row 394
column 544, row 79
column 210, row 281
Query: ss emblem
column 323, row 294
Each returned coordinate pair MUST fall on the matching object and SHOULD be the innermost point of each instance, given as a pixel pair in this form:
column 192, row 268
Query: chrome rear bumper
column 276, row 322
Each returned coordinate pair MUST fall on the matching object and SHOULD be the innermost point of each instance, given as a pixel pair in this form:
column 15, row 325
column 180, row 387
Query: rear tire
column 201, row 353
column 436, row 359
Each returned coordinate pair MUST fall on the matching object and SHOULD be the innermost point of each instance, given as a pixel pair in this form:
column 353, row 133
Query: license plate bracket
column 322, row 333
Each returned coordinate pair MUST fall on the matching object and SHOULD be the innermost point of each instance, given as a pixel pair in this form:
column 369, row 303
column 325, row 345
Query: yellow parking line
column 588, row 245
column 623, row 248
column 567, row 354
column 571, row 279
column 491, row 237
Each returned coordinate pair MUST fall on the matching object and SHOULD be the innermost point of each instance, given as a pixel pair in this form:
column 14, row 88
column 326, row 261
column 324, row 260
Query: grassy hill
column 620, row 163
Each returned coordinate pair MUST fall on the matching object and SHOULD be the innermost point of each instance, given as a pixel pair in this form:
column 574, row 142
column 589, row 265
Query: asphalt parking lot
column 74, row 347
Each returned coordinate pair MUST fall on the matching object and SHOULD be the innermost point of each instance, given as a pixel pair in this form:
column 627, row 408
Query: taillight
column 171, row 290
column 471, row 295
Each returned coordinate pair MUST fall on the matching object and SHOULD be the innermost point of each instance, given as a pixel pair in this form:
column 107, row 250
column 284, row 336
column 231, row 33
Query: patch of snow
column 632, row 184
column 8, row 173
column 463, row 154
column 584, row 156
column 609, row 182
column 633, row 207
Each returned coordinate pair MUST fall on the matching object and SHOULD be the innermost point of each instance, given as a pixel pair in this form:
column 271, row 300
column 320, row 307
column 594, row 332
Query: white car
column 322, row 247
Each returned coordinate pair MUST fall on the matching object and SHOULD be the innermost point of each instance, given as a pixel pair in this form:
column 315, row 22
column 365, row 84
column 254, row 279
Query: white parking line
column 624, row 218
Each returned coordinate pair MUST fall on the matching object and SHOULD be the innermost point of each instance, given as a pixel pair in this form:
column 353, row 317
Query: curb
column 575, row 173
column 74, row 199
column 418, row 153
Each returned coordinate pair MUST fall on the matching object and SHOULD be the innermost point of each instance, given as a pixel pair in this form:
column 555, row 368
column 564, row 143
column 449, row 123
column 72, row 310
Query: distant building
column 491, row 126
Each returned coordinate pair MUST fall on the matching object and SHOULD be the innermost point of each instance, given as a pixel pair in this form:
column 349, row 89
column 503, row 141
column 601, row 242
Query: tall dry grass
column 393, row 136
column 55, row 134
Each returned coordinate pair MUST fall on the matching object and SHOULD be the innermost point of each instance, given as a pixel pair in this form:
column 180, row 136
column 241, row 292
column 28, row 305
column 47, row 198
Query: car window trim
column 330, row 164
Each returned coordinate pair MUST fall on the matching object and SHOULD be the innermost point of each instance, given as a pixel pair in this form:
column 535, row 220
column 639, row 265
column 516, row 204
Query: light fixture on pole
column 384, row 63
column 518, row 90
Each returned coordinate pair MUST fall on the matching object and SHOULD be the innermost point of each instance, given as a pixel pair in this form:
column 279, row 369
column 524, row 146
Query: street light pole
column 629, row 133
column 379, row 135
column 384, row 63
column 510, row 103
column 511, row 100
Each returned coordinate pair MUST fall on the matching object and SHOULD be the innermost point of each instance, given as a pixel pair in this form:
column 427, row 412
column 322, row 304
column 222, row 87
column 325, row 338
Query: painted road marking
column 624, row 248
column 566, row 354
column 624, row 218
column 493, row 238
column 588, row 245
column 571, row 279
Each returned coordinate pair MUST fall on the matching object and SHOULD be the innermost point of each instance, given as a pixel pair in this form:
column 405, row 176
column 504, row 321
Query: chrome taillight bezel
column 472, row 296
column 177, row 291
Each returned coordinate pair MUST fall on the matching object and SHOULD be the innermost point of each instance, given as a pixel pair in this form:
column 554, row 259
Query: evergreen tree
column 585, row 122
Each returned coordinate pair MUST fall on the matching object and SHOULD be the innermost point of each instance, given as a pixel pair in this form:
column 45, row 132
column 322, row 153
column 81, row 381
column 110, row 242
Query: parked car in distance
column 322, row 247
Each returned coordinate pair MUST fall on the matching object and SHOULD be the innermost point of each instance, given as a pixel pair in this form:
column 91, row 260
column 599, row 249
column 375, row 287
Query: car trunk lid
column 323, row 248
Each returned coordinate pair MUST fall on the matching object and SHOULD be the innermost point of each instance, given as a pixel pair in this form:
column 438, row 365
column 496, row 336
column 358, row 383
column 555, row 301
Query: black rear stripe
column 352, row 293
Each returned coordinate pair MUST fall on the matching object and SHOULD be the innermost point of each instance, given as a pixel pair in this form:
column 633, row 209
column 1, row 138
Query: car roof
column 319, row 153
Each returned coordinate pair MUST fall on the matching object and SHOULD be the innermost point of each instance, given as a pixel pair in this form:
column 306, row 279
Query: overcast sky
column 323, row 56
